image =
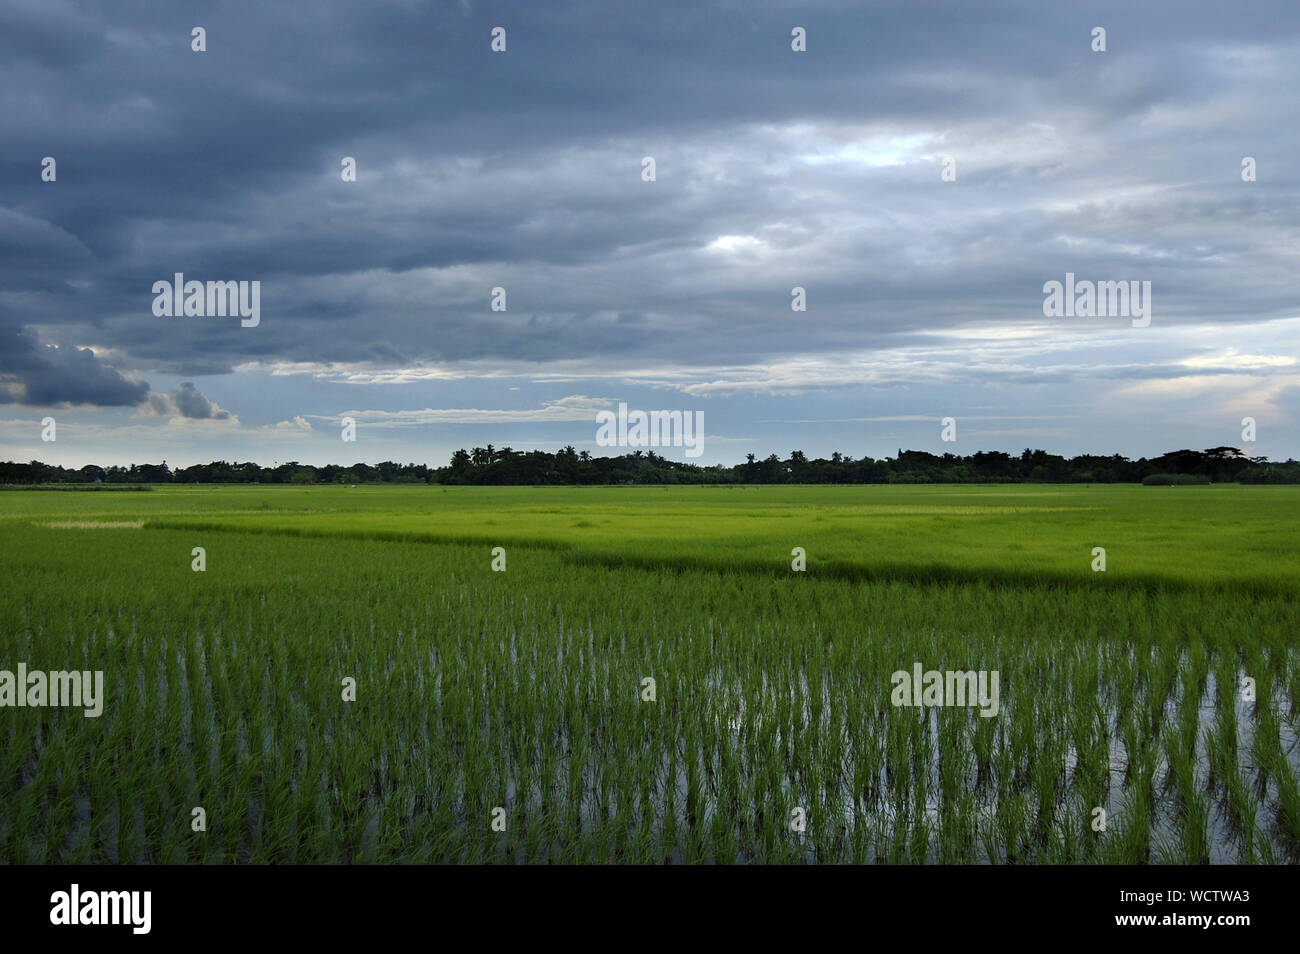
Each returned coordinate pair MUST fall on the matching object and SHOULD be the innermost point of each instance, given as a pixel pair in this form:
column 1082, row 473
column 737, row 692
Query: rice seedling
column 506, row 718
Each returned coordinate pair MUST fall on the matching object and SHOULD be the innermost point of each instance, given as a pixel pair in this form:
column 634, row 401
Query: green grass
column 522, row 689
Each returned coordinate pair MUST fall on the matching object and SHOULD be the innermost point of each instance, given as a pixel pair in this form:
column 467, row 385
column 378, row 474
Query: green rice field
column 649, row 680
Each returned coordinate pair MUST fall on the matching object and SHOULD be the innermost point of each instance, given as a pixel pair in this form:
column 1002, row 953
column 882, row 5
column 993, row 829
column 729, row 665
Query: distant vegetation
column 489, row 465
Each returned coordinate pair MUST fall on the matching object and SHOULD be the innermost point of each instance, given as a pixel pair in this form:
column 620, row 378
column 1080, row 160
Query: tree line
column 490, row 465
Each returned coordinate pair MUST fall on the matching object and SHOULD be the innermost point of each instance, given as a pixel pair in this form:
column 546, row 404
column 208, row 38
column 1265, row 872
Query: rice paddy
column 649, row 680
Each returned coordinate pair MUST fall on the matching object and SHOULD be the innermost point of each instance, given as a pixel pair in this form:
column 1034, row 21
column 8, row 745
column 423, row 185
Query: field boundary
column 936, row 574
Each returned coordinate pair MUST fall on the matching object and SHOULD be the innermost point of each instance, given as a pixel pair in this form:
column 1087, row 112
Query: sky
column 921, row 170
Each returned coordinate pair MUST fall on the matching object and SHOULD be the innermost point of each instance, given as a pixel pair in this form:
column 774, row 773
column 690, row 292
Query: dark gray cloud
column 186, row 402
column 47, row 375
column 192, row 404
column 522, row 170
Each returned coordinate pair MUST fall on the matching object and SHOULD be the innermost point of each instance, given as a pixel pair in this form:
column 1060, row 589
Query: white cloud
column 299, row 423
column 576, row 407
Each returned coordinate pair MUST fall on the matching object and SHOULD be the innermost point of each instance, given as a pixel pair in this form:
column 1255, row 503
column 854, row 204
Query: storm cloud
column 186, row 402
column 774, row 169
column 52, row 375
